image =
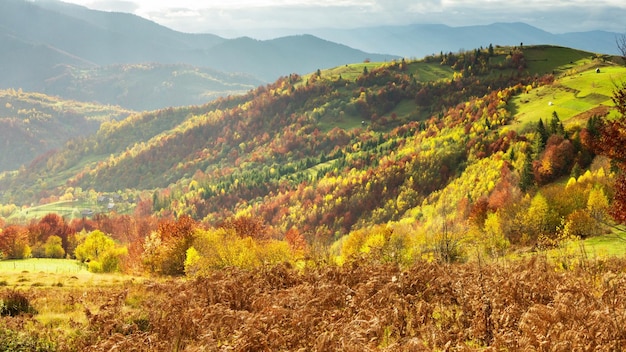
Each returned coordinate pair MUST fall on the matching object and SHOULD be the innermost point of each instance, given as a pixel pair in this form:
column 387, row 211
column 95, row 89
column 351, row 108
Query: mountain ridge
column 122, row 39
column 419, row 40
column 76, row 36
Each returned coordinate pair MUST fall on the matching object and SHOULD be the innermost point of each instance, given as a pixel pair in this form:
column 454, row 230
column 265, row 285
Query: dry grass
column 524, row 305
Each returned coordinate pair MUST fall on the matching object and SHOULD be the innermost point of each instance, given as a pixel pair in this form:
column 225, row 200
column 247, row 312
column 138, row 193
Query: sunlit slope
column 333, row 149
column 574, row 94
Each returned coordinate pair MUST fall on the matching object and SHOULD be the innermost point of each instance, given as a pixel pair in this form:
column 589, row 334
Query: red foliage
column 181, row 228
column 505, row 191
column 295, row 239
column 556, row 160
column 478, row 211
column 618, row 208
column 248, row 226
column 51, row 225
column 9, row 237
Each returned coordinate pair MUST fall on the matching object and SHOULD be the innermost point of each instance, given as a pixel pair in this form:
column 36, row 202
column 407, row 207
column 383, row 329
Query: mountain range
column 50, row 41
column 122, row 59
column 420, row 40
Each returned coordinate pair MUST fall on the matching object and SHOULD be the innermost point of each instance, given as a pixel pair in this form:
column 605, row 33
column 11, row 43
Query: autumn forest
column 434, row 204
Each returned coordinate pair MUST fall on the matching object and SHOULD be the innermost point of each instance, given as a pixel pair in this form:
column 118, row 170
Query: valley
column 469, row 200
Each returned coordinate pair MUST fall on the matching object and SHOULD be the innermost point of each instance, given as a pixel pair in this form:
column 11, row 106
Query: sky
column 264, row 18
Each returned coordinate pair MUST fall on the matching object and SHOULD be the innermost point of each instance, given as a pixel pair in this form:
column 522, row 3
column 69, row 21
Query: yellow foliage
column 571, row 182
column 382, row 243
column 221, row 248
column 587, row 176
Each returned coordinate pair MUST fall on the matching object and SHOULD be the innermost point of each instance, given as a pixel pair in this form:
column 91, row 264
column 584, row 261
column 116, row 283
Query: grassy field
column 545, row 59
column 46, row 273
column 605, row 246
column 422, row 71
column 571, row 96
column 69, row 210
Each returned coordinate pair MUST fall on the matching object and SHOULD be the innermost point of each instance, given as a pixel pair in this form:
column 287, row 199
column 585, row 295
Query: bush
column 215, row 249
column 13, row 341
column 15, row 303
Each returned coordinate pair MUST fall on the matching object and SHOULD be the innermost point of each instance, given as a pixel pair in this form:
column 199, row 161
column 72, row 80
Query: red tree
column 609, row 140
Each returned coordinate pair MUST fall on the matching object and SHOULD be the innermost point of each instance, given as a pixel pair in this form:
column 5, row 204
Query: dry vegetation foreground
column 521, row 305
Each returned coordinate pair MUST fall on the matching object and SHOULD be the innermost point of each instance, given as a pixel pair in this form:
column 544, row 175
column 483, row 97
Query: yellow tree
column 540, row 219
column 597, row 204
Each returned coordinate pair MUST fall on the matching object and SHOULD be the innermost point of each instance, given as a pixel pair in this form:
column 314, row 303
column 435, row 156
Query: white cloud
column 245, row 16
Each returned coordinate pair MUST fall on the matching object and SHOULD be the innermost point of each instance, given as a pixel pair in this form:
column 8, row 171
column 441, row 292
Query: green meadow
column 572, row 95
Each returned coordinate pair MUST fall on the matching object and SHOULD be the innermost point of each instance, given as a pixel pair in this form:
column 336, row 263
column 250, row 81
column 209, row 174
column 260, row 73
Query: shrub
column 221, row 248
column 378, row 243
column 15, row 303
column 14, row 341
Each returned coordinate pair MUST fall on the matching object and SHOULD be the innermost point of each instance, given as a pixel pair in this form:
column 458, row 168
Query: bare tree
column 621, row 45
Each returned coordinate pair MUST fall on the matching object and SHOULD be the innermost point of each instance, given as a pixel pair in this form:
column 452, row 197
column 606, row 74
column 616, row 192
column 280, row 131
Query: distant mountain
column 425, row 39
column 47, row 40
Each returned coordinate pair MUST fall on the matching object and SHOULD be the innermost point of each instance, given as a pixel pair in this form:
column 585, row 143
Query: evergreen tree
column 543, row 133
column 526, row 176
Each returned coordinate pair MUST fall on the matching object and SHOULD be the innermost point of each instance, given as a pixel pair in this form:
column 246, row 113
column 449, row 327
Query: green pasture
column 44, row 265
column 69, row 210
column 569, row 96
column 66, row 209
column 45, row 272
column 429, row 72
column 553, row 59
column 422, row 71
column 348, row 72
column 343, row 121
column 592, row 248
column 610, row 245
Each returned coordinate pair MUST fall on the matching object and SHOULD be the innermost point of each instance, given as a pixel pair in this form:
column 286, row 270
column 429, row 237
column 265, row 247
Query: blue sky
column 248, row 17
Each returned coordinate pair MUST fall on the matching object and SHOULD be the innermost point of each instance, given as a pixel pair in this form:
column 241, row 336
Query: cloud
column 244, row 17
column 114, row 5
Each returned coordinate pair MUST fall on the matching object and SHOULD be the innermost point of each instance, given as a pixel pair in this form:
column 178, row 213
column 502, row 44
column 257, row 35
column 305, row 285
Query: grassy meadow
column 69, row 210
column 572, row 96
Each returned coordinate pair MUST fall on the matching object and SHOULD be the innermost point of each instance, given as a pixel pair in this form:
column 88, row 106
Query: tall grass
column 524, row 304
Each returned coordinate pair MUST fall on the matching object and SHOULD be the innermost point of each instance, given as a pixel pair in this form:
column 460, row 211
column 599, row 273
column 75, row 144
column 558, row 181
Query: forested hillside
column 33, row 124
column 351, row 147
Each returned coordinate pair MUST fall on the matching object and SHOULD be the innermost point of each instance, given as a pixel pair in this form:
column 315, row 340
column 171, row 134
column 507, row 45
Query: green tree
column 100, row 252
column 526, row 174
column 54, row 247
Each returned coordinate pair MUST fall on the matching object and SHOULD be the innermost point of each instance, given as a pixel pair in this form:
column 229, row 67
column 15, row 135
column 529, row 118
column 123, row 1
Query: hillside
column 33, row 124
column 339, row 150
